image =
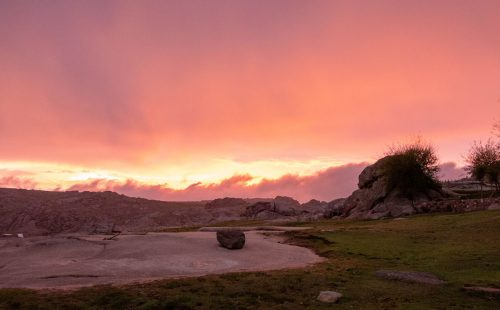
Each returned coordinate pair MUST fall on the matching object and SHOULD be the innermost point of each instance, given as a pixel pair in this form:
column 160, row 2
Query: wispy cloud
column 325, row 185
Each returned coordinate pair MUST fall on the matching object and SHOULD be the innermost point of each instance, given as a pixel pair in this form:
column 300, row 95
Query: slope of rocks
column 34, row 212
column 374, row 199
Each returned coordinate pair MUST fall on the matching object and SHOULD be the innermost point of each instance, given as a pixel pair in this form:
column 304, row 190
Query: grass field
column 463, row 249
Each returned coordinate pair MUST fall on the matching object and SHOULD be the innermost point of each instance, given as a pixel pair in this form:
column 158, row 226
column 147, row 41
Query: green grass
column 460, row 248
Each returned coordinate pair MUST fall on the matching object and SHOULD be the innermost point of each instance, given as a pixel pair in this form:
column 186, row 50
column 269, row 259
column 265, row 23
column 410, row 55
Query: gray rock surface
column 489, row 290
column 84, row 260
column 231, row 239
column 410, row 276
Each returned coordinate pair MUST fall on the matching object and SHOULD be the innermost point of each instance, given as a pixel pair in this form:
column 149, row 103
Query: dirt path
column 62, row 262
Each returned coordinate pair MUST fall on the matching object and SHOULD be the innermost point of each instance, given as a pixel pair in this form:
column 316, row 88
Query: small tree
column 483, row 163
column 412, row 168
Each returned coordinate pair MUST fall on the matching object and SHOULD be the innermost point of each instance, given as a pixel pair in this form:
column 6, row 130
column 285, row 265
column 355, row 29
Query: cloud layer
column 324, row 185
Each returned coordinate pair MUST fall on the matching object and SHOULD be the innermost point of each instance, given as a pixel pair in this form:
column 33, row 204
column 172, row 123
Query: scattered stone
column 231, row 239
column 329, row 296
column 490, row 290
column 410, row 276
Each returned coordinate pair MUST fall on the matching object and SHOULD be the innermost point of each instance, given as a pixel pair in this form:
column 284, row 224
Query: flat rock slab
column 489, row 290
column 410, row 276
column 254, row 228
column 66, row 262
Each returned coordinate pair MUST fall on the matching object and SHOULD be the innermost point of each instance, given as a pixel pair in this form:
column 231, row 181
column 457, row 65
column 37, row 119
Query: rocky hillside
column 376, row 199
column 34, row 212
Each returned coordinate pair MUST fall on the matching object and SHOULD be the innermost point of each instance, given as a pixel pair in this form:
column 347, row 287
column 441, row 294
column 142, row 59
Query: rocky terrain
column 41, row 212
column 34, row 212
column 375, row 199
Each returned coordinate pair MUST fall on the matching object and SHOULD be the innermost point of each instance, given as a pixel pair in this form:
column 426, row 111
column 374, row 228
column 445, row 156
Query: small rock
column 329, row 296
column 410, row 276
column 231, row 239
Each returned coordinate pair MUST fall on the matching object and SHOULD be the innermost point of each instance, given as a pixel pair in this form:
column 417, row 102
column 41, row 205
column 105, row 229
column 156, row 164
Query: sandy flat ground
column 66, row 262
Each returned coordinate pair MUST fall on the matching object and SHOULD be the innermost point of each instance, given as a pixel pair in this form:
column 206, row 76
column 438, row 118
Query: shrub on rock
column 397, row 184
column 412, row 169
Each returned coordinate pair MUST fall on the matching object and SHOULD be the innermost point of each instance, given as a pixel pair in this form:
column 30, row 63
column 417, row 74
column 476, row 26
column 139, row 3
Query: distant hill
column 35, row 212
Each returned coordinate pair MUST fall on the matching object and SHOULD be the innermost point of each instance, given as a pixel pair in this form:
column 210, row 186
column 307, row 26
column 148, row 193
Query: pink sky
column 181, row 92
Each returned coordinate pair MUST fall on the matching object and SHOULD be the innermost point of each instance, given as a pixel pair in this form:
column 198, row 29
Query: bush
column 483, row 162
column 412, row 168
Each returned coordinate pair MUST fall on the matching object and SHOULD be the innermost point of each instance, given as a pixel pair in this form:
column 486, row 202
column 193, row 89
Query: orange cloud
column 16, row 179
column 324, row 185
column 327, row 184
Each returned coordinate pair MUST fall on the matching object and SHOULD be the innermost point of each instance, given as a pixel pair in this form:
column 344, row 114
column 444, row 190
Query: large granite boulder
column 286, row 206
column 260, row 206
column 231, row 239
column 281, row 206
column 314, row 206
column 375, row 199
column 334, row 208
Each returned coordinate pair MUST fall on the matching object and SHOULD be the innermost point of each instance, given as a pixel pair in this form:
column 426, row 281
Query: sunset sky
column 187, row 100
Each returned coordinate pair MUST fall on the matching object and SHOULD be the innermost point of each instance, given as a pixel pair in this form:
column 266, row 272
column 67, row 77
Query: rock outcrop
column 231, row 239
column 226, row 202
column 282, row 207
column 286, row 206
column 410, row 276
column 375, row 199
column 334, row 208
